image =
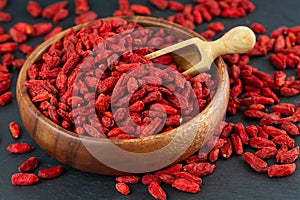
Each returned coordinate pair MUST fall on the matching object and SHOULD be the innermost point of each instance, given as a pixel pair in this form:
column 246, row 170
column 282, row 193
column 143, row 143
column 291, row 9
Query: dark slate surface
column 232, row 179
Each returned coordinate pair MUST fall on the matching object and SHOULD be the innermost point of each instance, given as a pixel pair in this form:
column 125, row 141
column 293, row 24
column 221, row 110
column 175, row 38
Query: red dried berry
column 281, row 170
column 186, row 185
column 20, row 148
column 51, row 172
column 156, row 191
column 5, row 17
column 176, row 6
column 122, row 188
column 161, row 4
column 86, row 17
column 5, row 98
column 14, row 129
column 266, row 152
column 258, row 28
column 256, row 163
column 140, row 9
column 29, row 165
column 128, row 179
column 34, row 9
column 24, row 179
column 81, row 6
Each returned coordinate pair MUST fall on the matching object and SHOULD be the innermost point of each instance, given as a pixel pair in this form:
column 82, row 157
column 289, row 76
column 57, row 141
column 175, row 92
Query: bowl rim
column 221, row 69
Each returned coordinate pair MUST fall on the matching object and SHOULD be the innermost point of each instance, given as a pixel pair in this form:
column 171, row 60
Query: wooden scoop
column 240, row 39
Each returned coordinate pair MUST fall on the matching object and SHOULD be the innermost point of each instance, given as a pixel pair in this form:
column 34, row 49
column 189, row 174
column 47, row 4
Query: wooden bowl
column 117, row 157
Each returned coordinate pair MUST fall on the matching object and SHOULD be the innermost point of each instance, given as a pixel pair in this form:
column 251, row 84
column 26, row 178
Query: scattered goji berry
column 122, row 188
column 5, row 98
column 256, row 163
column 24, row 179
column 186, row 185
column 14, row 129
column 34, row 9
column 29, row 165
column 20, row 148
column 128, row 179
column 51, row 172
column 156, row 191
column 281, row 170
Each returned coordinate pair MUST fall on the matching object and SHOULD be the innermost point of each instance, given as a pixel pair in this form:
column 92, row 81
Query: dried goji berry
column 5, row 98
column 128, row 179
column 34, row 9
column 186, row 185
column 8, row 47
column 259, row 142
column 5, row 17
column 156, row 191
column 85, row 17
column 60, row 15
column 288, row 156
column 200, row 169
column 29, row 165
column 122, row 188
column 256, row 163
column 81, row 6
column 176, row 6
column 281, row 170
column 258, row 28
column 140, row 9
column 161, row 4
column 166, row 178
column 20, row 148
column 237, row 143
column 240, row 129
column 290, row 128
column 266, row 152
column 41, row 28
column 51, row 172
column 284, row 139
column 14, row 129
column 188, row 176
column 24, row 179
column 3, row 4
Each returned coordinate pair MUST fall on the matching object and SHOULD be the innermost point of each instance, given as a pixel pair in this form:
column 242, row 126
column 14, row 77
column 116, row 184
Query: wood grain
column 75, row 151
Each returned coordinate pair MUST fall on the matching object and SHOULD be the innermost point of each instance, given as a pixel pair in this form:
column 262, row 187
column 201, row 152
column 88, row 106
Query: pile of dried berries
column 103, row 67
column 253, row 92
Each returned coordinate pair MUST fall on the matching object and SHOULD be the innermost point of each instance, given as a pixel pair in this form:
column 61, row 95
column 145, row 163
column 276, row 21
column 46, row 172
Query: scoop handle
column 240, row 39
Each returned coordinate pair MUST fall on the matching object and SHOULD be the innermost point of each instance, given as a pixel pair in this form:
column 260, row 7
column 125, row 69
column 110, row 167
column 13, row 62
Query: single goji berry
column 256, row 163
column 266, row 152
column 140, row 9
column 128, row 179
column 5, row 98
column 5, row 17
column 81, row 6
column 186, row 185
column 161, row 4
column 51, row 172
column 14, row 129
column 122, row 188
column 20, row 148
column 288, row 156
column 34, row 9
column 24, row 179
column 281, row 170
column 258, row 28
column 259, row 142
column 29, row 165
column 156, row 191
